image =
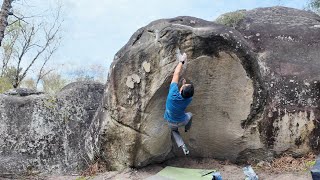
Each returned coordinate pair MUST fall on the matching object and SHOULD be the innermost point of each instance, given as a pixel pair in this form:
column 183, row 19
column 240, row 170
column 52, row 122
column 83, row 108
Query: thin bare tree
column 30, row 43
column 11, row 35
column 43, row 72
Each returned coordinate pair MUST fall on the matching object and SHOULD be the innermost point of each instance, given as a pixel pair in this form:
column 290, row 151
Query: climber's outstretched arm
column 178, row 69
column 176, row 73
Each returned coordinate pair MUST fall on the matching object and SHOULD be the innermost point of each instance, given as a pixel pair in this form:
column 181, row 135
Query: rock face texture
column 42, row 133
column 287, row 43
column 256, row 89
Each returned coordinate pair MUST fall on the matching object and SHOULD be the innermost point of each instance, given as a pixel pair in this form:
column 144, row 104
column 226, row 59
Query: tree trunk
column 4, row 13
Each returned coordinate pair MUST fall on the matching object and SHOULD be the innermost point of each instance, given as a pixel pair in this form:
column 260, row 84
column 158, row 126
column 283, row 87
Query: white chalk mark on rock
column 129, row 82
column 178, row 53
column 134, row 78
column 157, row 35
column 146, row 66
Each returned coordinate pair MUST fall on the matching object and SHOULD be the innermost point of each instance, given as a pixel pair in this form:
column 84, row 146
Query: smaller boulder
column 22, row 92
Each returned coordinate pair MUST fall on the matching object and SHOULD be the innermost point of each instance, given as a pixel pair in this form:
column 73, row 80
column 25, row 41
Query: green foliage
column 315, row 5
column 29, row 83
column 231, row 19
column 10, row 51
column 91, row 73
column 8, row 44
column 10, row 73
column 84, row 78
column 310, row 164
column 5, row 84
column 83, row 178
column 52, row 83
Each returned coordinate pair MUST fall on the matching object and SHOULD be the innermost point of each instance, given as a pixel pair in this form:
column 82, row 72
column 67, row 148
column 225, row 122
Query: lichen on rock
column 44, row 133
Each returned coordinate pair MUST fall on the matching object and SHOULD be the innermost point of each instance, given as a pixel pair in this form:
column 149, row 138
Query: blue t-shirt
column 176, row 105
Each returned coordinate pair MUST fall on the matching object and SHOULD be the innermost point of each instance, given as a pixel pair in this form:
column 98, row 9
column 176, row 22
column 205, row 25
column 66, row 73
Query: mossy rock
column 231, row 19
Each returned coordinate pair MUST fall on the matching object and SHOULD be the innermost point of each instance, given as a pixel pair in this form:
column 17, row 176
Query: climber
column 177, row 102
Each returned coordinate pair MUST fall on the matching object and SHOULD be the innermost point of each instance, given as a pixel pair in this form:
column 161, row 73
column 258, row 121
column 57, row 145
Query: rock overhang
column 136, row 98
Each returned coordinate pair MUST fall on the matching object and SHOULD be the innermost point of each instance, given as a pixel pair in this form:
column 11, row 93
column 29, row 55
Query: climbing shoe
column 185, row 149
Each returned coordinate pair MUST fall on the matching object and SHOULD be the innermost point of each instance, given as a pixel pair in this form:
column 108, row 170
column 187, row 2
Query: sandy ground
column 227, row 170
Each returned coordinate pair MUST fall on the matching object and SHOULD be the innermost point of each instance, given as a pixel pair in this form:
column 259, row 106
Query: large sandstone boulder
column 256, row 89
column 42, row 133
column 287, row 43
